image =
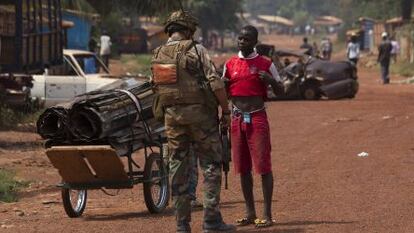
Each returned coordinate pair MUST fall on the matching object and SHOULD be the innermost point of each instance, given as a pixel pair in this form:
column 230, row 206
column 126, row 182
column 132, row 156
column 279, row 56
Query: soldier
column 188, row 89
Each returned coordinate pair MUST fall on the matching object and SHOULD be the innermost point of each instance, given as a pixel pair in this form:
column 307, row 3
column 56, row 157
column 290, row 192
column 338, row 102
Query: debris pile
column 121, row 118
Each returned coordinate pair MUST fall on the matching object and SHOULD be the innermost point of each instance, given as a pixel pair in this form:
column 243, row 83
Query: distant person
column 315, row 50
column 307, row 29
column 384, row 57
column 105, row 51
column 352, row 50
column 307, row 46
column 395, row 49
column 326, row 48
column 248, row 76
column 92, row 45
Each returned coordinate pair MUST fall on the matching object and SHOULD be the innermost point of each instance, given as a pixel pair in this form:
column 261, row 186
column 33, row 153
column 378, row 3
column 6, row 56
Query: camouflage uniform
column 193, row 175
column 196, row 123
column 190, row 118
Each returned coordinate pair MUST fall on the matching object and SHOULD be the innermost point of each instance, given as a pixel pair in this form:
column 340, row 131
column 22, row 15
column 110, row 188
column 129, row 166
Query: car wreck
column 311, row 78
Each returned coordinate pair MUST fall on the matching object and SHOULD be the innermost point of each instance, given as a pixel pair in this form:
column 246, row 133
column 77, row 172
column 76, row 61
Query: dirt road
column 322, row 185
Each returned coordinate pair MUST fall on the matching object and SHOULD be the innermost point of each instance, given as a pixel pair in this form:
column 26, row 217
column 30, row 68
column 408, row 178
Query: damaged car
column 310, row 78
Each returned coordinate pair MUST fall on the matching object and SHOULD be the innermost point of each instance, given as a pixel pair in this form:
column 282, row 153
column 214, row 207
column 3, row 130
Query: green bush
column 9, row 186
column 137, row 64
column 405, row 69
column 10, row 118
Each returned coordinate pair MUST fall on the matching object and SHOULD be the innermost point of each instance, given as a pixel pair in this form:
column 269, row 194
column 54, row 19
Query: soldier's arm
column 216, row 84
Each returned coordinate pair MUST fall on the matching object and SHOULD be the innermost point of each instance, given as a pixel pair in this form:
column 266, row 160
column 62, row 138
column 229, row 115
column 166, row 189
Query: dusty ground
column 321, row 183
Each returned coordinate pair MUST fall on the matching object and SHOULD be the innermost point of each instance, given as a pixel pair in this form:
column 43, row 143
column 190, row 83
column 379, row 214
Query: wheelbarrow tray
column 89, row 167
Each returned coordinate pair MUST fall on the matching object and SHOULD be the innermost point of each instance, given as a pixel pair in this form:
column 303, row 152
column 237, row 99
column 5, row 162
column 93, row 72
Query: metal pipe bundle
column 100, row 115
column 120, row 117
column 52, row 123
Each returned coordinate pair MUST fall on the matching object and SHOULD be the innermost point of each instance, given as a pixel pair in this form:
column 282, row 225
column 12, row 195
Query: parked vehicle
column 311, row 78
column 31, row 37
column 81, row 72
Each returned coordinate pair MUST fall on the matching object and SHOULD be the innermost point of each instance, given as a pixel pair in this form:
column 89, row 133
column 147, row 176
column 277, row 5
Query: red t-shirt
column 243, row 75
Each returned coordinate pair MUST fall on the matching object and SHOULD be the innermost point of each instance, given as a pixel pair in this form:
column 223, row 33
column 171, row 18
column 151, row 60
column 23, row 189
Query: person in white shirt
column 105, row 51
column 395, row 49
column 353, row 50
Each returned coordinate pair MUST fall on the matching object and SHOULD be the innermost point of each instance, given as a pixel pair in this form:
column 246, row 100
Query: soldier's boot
column 218, row 227
column 183, row 227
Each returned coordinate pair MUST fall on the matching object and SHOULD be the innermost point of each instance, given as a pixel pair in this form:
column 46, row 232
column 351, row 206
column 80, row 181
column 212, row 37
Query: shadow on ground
column 125, row 216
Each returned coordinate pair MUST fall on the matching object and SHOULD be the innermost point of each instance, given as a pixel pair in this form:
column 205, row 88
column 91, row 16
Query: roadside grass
column 9, row 186
column 405, row 69
column 137, row 64
column 11, row 118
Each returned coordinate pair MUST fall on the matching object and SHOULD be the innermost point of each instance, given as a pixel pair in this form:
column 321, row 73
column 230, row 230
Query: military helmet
column 182, row 18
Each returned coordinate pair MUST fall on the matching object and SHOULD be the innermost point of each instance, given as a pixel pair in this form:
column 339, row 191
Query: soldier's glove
column 225, row 119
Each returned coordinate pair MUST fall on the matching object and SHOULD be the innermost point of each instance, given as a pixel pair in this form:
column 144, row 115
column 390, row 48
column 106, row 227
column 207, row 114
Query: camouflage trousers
column 186, row 125
column 193, row 176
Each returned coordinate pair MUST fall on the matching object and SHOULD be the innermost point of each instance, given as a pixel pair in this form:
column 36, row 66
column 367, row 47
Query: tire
column 354, row 90
column 311, row 92
column 156, row 185
column 74, row 205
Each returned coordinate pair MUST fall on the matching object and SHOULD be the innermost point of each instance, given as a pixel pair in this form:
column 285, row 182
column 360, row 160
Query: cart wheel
column 156, row 187
column 74, row 201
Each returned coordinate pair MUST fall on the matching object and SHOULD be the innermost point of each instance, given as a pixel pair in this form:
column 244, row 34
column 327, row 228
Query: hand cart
column 89, row 167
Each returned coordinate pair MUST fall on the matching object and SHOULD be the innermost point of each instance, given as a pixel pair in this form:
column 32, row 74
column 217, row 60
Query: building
column 79, row 34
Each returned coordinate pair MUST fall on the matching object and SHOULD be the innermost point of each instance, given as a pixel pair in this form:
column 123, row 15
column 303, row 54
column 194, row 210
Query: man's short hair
column 251, row 29
column 305, row 39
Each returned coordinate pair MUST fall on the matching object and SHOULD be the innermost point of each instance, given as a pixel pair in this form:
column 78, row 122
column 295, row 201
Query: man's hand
column 266, row 77
column 225, row 119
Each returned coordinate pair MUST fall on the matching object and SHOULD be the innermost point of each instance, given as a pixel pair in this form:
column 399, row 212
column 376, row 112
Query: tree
column 406, row 9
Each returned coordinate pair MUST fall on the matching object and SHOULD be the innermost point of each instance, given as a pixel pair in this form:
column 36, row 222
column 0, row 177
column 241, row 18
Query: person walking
column 326, row 48
column 395, row 49
column 105, row 51
column 188, row 94
column 309, row 49
column 384, row 57
column 352, row 50
column 247, row 76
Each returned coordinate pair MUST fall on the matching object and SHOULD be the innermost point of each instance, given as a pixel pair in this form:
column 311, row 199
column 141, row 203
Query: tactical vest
column 174, row 75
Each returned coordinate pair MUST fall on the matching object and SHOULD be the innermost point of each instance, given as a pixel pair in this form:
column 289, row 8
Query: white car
column 81, row 72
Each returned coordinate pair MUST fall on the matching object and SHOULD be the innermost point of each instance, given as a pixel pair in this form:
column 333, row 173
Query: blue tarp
column 78, row 36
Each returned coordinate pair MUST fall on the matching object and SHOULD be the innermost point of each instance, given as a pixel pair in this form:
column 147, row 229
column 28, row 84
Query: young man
column 384, row 58
column 248, row 76
column 309, row 49
column 188, row 89
column 352, row 50
column 105, row 51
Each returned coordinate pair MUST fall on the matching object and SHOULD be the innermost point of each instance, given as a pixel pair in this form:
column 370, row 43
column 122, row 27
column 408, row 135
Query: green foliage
column 10, row 118
column 349, row 10
column 78, row 5
column 213, row 13
column 405, row 69
column 9, row 186
column 137, row 64
column 301, row 18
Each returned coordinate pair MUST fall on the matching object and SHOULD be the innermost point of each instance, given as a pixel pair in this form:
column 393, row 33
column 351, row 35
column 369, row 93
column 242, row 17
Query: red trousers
column 250, row 142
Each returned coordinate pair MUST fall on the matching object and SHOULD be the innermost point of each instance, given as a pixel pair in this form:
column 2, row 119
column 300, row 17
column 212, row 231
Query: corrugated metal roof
column 276, row 19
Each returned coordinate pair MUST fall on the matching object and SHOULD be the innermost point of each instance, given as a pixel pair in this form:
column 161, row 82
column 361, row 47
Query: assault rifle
column 226, row 154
